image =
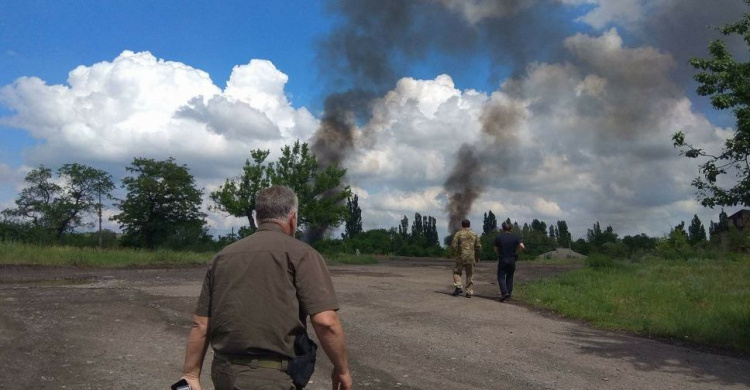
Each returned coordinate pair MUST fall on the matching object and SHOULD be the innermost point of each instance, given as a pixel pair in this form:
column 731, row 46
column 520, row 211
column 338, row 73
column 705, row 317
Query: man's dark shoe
column 468, row 295
column 504, row 298
column 457, row 292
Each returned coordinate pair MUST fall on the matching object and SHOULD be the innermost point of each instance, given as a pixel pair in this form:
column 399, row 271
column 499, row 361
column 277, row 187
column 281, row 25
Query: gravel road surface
column 68, row 328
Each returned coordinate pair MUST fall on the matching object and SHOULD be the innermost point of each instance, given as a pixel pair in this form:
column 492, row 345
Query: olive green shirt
column 259, row 290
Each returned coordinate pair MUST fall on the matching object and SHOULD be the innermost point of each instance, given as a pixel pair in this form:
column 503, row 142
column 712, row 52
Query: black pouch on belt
column 302, row 365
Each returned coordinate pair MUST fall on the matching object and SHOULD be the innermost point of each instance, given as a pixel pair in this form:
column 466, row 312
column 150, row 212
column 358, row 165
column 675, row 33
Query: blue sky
column 49, row 39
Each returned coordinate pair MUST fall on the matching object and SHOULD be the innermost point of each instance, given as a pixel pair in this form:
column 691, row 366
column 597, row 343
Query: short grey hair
column 275, row 202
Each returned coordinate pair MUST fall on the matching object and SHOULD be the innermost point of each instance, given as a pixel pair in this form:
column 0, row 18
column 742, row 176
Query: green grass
column 345, row 258
column 549, row 261
column 704, row 301
column 26, row 254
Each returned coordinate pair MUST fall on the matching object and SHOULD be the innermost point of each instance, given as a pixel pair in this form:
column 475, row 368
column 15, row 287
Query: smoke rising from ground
column 377, row 43
column 491, row 158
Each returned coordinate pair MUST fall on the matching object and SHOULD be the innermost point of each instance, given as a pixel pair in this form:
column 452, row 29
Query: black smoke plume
column 463, row 185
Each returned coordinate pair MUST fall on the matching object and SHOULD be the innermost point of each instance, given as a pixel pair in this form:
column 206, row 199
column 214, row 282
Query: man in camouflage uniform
column 465, row 248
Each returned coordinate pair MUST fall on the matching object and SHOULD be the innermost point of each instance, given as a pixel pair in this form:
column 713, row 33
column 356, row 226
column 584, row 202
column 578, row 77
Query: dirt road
column 116, row 329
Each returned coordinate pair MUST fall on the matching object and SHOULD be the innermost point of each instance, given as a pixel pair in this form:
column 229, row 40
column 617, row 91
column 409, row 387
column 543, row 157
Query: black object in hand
column 181, row 385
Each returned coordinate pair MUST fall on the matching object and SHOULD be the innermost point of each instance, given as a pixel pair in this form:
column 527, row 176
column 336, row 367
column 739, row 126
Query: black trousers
column 505, row 270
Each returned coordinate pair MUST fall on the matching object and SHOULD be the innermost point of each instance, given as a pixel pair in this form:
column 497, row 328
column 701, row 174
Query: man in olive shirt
column 255, row 299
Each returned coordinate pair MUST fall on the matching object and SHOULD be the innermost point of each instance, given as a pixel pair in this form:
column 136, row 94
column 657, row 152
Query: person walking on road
column 254, row 304
column 507, row 248
column 465, row 248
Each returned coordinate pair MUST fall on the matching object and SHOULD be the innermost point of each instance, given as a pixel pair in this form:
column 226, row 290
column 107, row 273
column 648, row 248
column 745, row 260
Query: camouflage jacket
column 466, row 246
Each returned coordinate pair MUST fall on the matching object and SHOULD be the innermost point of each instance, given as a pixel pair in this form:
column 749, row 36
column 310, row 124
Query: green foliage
column 91, row 240
column 727, row 82
column 537, row 242
column 321, row 196
column 581, row 246
column 29, row 254
column 538, row 226
column 489, row 225
column 597, row 237
column 639, row 244
column 61, row 208
column 343, row 258
column 564, row 238
column 704, row 301
column 488, row 245
column 675, row 246
column 696, row 231
column 353, row 223
column 162, row 206
column 601, row 261
column 24, row 231
column 237, row 196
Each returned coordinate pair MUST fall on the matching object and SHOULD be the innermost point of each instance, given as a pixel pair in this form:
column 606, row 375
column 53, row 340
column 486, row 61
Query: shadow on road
column 650, row 355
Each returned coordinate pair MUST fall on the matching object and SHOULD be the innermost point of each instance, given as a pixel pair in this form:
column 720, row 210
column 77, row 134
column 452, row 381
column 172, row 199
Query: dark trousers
column 505, row 270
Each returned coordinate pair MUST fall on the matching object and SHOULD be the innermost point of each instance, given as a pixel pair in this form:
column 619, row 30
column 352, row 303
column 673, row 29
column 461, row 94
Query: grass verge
column 25, row 254
column 345, row 258
column 703, row 301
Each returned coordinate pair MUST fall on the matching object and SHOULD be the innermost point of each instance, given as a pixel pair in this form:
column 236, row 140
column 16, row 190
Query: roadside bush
column 600, row 261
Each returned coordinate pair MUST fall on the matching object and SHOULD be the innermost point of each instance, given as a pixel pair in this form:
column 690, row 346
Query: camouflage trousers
column 460, row 266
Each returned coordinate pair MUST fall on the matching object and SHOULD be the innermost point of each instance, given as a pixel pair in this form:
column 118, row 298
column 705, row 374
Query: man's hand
column 194, row 383
column 341, row 381
column 330, row 333
column 195, row 352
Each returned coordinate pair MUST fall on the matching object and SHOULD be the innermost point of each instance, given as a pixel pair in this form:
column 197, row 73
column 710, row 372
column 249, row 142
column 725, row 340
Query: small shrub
column 600, row 261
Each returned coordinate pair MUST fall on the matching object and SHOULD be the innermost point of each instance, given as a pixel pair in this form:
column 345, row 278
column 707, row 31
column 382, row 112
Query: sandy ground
column 66, row 328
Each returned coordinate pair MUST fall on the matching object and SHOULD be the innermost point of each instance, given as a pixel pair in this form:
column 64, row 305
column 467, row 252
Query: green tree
column 539, row 227
column 640, row 243
column 597, row 237
column 675, row 245
column 322, row 198
column 564, row 238
column 696, row 231
column 403, row 227
column 353, row 224
column 490, row 224
column 237, row 196
column 321, row 195
column 417, row 229
column 431, row 232
column 162, row 204
column 61, row 208
column 727, row 82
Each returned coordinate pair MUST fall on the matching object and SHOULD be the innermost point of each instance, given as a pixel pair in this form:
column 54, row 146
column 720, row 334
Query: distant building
column 720, row 232
column 740, row 219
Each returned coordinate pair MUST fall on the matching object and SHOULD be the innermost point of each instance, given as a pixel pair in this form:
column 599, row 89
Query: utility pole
column 100, row 217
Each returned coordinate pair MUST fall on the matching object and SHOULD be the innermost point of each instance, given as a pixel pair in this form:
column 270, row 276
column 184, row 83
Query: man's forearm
column 330, row 333
column 196, row 348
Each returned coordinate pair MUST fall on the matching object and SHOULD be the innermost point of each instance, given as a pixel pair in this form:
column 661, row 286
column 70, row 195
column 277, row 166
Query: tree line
column 162, row 203
column 162, row 209
column 679, row 243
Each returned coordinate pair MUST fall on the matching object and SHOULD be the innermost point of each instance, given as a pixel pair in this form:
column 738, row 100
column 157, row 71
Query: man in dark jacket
column 507, row 248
